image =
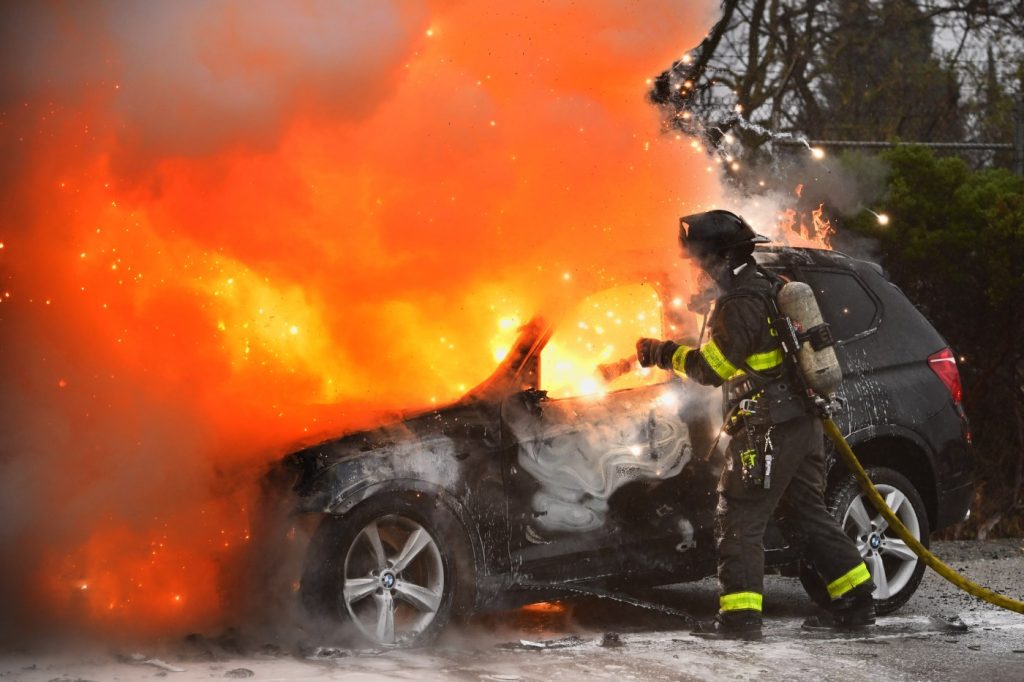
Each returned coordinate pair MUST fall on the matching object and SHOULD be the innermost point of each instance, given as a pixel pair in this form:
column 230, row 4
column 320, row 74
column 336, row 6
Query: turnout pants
column 798, row 480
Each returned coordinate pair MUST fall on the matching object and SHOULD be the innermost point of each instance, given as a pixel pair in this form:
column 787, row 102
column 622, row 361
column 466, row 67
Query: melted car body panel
column 581, row 451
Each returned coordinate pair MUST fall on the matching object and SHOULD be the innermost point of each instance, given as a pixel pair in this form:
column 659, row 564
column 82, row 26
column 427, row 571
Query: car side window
column 845, row 304
column 593, row 348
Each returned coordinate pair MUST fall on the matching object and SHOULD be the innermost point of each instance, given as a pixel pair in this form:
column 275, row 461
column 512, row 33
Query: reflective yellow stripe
column 762, row 361
column 846, row 582
column 718, row 362
column 679, row 359
column 740, row 601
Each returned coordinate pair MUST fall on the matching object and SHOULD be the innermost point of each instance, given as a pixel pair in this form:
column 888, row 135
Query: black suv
column 545, row 478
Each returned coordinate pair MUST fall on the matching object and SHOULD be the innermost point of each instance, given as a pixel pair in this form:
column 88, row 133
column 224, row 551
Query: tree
column 881, row 79
column 854, row 69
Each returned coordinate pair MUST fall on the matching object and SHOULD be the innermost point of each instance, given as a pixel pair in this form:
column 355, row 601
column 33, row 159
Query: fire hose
column 920, row 550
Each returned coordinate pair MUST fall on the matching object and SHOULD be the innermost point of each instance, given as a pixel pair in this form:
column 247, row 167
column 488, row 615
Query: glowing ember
column 544, row 607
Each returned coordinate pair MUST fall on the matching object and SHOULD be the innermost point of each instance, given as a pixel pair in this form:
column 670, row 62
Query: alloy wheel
column 394, row 580
column 890, row 559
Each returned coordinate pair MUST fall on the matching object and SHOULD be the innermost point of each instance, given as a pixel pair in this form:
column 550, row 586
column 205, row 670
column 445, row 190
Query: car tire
column 398, row 567
column 883, row 552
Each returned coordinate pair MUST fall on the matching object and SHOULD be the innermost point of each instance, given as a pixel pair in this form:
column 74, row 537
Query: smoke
column 230, row 226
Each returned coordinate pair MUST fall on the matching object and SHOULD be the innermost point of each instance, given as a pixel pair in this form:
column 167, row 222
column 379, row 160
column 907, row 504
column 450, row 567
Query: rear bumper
column 953, row 505
column 953, row 464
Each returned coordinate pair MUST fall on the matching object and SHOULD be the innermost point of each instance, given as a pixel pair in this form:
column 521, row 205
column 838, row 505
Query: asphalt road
column 569, row 642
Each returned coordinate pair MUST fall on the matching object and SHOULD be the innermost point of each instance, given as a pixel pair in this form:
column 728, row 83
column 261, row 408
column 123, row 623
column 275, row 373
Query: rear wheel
column 396, row 568
column 895, row 569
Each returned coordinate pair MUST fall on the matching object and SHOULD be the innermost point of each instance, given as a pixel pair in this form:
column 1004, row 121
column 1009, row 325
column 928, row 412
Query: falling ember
column 248, row 216
column 881, row 218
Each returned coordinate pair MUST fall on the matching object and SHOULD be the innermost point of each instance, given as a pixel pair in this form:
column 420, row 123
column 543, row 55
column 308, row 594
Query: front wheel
column 393, row 567
column 895, row 569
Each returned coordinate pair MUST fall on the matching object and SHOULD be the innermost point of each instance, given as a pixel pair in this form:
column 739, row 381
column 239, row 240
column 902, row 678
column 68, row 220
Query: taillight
column 943, row 364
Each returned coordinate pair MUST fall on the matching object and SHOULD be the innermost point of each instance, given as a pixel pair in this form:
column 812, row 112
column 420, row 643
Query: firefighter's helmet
column 717, row 234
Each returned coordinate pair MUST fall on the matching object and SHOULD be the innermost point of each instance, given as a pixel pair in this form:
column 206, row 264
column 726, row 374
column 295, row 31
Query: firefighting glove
column 652, row 352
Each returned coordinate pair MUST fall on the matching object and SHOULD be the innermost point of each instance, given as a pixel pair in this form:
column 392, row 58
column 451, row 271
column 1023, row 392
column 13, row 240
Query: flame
column 603, row 328
column 809, row 230
column 234, row 225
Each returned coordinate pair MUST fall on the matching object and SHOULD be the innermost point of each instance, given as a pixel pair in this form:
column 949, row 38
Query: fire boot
column 744, row 626
column 854, row 611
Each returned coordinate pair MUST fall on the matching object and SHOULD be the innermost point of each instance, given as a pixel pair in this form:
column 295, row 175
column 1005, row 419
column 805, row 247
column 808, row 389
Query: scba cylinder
column 820, row 366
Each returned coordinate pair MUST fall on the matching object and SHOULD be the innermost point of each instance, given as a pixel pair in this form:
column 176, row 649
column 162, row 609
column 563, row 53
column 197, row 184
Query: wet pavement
column 940, row 634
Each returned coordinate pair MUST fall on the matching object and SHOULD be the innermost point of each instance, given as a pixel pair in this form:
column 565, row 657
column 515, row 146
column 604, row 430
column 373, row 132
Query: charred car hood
column 424, row 446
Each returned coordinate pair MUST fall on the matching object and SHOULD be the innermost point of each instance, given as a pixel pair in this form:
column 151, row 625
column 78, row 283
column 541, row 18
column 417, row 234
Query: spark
column 294, row 330
column 566, row 276
column 430, row 32
column 818, row 153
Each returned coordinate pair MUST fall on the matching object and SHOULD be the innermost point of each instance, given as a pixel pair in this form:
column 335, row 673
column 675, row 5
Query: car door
column 598, row 424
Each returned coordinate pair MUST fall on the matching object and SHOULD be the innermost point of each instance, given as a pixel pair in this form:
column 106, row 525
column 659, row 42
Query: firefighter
column 776, row 453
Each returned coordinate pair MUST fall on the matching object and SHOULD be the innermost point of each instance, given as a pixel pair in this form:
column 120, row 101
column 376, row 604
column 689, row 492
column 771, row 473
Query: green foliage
column 955, row 240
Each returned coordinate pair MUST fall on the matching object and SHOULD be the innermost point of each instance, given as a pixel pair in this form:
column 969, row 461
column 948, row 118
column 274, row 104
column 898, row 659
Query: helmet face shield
column 694, row 248
column 711, row 235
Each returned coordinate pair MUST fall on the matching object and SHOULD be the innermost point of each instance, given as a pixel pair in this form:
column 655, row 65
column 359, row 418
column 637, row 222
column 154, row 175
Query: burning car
column 555, row 473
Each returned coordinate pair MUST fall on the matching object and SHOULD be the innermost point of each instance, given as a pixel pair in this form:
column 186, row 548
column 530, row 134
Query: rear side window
column 845, row 303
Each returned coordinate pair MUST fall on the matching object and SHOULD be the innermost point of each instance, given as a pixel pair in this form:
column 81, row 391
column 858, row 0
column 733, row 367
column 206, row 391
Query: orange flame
column 800, row 229
column 231, row 225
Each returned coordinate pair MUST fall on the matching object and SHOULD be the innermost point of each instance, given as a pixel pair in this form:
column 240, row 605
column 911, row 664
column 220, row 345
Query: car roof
column 782, row 256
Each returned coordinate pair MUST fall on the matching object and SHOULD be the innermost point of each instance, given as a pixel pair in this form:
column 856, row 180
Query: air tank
column 820, row 367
